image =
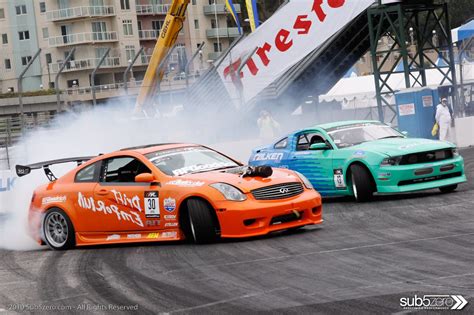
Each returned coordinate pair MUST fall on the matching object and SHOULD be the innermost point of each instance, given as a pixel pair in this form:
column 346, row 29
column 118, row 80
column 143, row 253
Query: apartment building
column 93, row 27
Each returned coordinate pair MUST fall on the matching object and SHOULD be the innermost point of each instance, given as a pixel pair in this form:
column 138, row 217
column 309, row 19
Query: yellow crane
column 167, row 38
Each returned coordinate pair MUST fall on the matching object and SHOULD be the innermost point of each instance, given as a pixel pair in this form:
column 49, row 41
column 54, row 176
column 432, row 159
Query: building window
column 157, row 25
column 8, row 64
column 42, row 7
column 45, row 32
column 125, row 4
column 25, row 60
column 49, row 59
column 24, row 35
column 72, row 83
column 127, row 27
column 217, row 47
column 213, row 23
column 2, row 13
column 130, row 52
column 20, row 9
column 196, row 24
column 193, row 2
column 5, row 38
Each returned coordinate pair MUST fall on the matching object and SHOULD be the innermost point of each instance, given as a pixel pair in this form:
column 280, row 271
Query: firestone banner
column 287, row 37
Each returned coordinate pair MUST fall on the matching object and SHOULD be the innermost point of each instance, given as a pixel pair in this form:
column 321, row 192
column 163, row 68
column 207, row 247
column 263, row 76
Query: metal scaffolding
column 418, row 30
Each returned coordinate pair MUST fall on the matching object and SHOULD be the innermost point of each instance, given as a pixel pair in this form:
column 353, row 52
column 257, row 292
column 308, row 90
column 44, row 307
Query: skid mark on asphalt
column 245, row 296
column 329, row 251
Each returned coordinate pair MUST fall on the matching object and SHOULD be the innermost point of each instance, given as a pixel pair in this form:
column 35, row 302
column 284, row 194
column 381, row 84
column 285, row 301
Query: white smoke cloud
column 101, row 130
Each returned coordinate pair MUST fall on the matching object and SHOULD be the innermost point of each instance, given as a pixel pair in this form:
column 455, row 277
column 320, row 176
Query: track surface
column 363, row 259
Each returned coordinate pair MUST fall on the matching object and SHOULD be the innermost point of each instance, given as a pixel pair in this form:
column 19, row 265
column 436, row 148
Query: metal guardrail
column 152, row 8
column 84, row 64
column 81, row 38
column 78, row 12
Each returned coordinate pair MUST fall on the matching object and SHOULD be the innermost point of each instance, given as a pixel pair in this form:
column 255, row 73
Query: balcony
column 214, row 55
column 145, row 59
column 82, row 38
column 148, row 34
column 219, row 9
column 86, row 64
column 222, row 32
column 152, row 9
column 80, row 12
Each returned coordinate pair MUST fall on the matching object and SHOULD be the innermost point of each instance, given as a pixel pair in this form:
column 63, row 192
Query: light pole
column 171, row 69
column 217, row 25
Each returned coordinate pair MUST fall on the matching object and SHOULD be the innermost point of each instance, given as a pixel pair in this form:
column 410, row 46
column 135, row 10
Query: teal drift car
column 360, row 158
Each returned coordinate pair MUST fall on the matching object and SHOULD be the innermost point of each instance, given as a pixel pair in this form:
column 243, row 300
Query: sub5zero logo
column 437, row 302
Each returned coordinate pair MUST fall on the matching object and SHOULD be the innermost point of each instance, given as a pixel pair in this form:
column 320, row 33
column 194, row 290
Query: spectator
column 268, row 126
column 443, row 118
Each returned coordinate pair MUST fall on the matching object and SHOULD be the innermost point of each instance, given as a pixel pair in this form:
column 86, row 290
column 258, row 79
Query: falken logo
column 268, row 156
column 434, row 302
column 169, row 204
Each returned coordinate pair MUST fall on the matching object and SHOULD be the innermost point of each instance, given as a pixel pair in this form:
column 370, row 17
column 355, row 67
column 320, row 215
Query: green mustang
column 360, row 158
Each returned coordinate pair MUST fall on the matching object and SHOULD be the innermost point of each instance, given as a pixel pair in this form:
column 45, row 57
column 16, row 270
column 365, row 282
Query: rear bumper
column 254, row 217
column 405, row 178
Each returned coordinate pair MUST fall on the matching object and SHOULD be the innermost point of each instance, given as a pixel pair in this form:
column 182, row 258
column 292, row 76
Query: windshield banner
column 287, row 37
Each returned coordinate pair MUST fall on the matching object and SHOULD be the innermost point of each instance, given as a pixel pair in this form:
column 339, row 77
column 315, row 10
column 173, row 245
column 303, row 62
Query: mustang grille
column 427, row 157
column 280, row 191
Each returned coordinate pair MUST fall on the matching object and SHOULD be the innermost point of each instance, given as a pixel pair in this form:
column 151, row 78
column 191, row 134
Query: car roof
column 148, row 148
column 337, row 124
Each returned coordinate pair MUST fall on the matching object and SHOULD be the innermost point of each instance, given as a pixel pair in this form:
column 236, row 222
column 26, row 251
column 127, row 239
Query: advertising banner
column 287, row 37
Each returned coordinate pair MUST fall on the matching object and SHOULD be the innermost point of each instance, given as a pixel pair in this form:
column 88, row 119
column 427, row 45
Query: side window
column 88, row 174
column 307, row 139
column 282, row 144
column 123, row 170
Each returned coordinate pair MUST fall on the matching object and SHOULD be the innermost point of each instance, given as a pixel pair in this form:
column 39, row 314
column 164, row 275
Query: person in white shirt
column 268, row 126
column 443, row 118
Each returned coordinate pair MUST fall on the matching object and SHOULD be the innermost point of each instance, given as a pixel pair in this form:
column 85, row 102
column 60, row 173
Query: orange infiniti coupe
column 166, row 192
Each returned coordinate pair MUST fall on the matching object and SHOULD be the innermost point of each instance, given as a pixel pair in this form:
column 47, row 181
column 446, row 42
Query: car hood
column 234, row 178
column 402, row 146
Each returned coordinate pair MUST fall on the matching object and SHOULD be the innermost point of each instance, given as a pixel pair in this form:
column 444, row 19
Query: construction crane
column 154, row 73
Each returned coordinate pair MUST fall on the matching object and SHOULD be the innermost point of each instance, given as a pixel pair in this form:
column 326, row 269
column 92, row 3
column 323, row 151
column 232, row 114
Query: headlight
column 394, row 160
column 305, row 181
column 455, row 152
column 229, row 192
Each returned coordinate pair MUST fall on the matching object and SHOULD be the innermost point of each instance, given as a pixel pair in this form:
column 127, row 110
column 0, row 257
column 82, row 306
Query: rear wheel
column 447, row 189
column 202, row 223
column 58, row 230
column 362, row 185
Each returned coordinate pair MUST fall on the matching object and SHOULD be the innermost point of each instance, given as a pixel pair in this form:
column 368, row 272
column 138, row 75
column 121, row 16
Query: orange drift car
column 166, row 192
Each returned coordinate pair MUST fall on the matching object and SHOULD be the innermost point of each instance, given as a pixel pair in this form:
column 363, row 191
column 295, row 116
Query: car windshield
column 347, row 136
column 181, row 161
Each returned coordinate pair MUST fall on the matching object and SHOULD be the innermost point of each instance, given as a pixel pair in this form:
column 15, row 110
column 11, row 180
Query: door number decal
column 152, row 204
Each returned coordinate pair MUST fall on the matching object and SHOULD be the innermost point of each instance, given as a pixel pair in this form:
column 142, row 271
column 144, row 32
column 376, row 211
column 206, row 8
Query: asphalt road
column 363, row 259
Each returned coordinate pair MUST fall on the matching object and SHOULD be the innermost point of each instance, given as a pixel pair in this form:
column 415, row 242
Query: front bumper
column 405, row 178
column 259, row 217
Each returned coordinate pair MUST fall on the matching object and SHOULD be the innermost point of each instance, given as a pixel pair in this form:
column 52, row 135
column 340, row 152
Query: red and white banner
column 287, row 37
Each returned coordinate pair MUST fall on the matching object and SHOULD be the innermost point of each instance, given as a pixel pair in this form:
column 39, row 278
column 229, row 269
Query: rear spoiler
column 22, row 170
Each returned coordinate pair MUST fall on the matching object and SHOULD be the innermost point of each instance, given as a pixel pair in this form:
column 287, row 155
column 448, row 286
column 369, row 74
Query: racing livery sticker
column 152, row 222
column 113, row 237
column 170, row 216
column 152, row 204
column 268, row 157
column 171, row 224
column 169, row 204
column 339, row 179
column 55, row 199
column 185, row 183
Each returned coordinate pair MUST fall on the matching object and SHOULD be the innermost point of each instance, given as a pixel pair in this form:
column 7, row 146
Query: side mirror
column 144, row 178
column 318, row 146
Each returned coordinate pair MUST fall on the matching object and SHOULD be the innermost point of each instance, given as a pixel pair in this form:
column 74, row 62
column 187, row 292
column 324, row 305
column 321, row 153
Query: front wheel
column 447, row 189
column 58, row 230
column 362, row 185
column 202, row 223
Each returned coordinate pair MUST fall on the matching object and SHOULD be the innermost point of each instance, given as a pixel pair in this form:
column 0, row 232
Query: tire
column 362, row 183
column 448, row 189
column 203, row 224
column 58, row 230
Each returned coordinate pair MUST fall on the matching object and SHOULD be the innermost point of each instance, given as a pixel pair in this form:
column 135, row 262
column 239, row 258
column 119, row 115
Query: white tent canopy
column 362, row 89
